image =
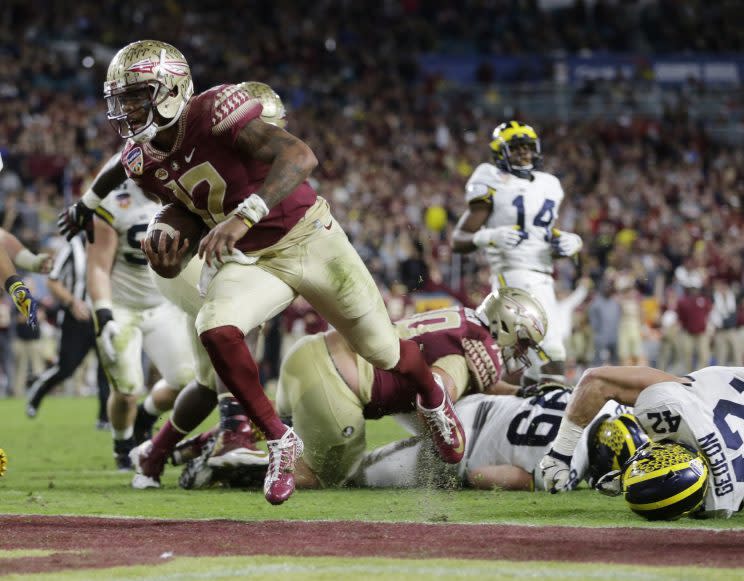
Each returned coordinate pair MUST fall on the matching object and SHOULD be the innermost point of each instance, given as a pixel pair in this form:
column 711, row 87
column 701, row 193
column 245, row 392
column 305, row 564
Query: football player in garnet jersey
column 329, row 391
column 512, row 213
column 271, row 236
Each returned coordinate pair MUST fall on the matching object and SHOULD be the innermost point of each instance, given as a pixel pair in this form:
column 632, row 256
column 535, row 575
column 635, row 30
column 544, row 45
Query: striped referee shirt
column 69, row 267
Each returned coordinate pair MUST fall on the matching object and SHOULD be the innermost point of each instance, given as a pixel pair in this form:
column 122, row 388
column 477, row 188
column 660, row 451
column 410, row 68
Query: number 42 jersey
column 708, row 414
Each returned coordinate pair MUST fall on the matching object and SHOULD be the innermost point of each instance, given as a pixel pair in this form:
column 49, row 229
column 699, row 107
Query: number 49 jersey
column 128, row 211
column 507, row 430
column 530, row 205
column 707, row 414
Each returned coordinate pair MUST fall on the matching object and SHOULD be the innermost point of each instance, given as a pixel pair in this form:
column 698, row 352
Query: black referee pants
column 77, row 338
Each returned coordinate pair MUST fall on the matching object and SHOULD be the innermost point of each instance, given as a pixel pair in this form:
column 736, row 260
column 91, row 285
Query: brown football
column 170, row 219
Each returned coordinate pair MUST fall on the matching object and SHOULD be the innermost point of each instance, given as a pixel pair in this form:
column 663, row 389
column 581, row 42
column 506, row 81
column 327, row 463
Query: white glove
column 566, row 243
column 556, row 471
column 504, row 237
column 108, row 336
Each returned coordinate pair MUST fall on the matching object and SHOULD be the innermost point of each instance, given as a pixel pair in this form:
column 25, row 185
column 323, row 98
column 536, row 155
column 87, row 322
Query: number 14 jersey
column 708, row 414
column 532, row 206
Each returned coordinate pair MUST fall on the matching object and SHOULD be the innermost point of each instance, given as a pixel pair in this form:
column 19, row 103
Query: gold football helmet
column 144, row 78
column 506, row 136
column 273, row 108
column 518, row 323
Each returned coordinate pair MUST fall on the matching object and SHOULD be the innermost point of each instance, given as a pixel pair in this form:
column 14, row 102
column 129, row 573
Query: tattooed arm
column 291, row 162
column 291, row 159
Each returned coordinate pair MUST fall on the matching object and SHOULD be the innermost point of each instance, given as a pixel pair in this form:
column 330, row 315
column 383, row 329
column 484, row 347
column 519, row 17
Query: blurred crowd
column 657, row 200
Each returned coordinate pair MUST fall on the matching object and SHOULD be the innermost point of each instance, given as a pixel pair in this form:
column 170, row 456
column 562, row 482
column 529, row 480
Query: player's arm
column 17, row 289
column 504, row 476
column 290, row 158
column 79, row 216
column 101, row 256
column 22, row 256
column 502, row 387
column 291, row 161
column 595, row 388
column 469, row 223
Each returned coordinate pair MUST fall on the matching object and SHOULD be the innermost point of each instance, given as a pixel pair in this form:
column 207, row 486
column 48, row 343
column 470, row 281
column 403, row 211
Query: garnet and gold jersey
column 530, row 205
column 706, row 413
column 205, row 172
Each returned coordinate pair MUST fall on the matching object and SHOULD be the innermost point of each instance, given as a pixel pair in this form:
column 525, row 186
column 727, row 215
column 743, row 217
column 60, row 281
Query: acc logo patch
column 161, row 174
column 135, row 161
column 348, row 431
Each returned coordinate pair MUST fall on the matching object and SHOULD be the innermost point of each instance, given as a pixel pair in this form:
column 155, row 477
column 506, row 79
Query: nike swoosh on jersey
column 189, row 156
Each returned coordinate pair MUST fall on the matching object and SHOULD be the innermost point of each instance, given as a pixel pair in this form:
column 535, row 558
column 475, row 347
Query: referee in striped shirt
column 67, row 283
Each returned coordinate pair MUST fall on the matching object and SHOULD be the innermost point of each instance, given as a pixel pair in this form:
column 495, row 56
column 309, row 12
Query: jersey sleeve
column 232, row 109
column 107, row 210
column 479, row 187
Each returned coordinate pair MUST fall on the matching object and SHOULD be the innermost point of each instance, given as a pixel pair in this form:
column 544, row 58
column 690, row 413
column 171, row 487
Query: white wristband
column 91, row 199
column 103, row 304
column 252, row 209
column 567, row 438
column 25, row 259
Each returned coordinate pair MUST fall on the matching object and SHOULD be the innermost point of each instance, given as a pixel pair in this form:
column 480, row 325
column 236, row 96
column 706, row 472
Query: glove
column 504, row 237
column 537, row 389
column 107, row 329
column 565, row 243
column 24, row 301
column 556, row 471
column 75, row 219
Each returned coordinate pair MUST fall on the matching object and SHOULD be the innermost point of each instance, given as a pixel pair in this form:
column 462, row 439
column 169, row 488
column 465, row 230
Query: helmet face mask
column 518, row 323
column 612, row 441
column 147, row 86
column 507, row 145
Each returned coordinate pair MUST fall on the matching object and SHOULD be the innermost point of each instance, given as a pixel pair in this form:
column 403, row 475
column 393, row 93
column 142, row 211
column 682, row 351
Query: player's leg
column 336, row 282
column 166, row 330
column 541, row 287
column 390, row 466
column 325, row 413
column 125, row 376
column 76, row 339
column 103, row 394
column 240, row 298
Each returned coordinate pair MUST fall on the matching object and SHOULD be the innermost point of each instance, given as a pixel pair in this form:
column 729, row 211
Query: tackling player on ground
column 696, row 465
column 512, row 213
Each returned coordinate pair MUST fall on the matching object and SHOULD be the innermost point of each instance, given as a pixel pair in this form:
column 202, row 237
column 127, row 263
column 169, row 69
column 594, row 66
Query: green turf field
column 59, row 464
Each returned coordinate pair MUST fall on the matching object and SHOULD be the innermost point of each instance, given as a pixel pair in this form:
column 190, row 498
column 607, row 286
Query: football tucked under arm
column 172, row 219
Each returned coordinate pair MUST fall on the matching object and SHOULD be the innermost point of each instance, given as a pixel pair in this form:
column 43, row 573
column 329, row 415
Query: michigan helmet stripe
column 672, row 499
column 655, row 474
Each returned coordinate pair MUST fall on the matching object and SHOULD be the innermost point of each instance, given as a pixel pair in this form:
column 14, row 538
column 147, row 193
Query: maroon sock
column 165, row 440
column 413, row 367
column 233, row 362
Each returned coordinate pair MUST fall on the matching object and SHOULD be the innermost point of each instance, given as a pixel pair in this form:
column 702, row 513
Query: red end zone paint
column 125, row 542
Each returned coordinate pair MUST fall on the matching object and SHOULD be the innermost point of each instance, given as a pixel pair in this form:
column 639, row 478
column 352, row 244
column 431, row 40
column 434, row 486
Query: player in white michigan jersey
column 508, row 436
column 512, row 213
column 130, row 314
column 703, row 411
